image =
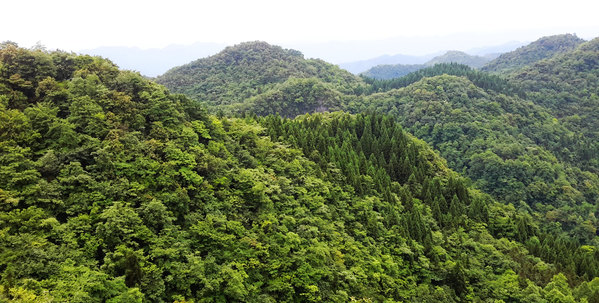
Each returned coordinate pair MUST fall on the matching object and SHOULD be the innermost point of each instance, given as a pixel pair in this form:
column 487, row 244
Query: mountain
column 543, row 48
column 400, row 61
column 528, row 154
column 496, row 50
column 567, row 84
column 460, row 58
column 358, row 67
column 385, row 72
column 155, row 61
column 480, row 79
column 500, row 142
column 230, row 77
column 115, row 190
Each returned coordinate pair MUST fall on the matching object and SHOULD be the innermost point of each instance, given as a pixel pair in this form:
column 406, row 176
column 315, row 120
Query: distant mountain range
column 363, row 65
column 155, row 61
column 491, row 52
column 543, row 48
column 388, row 71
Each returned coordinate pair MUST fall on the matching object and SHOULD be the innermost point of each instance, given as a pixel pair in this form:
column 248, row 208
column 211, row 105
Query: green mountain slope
column 480, row 79
column 543, row 48
column 248, row 69
column 112, row 189
column 387, row 71
column 510, row 148
column 295, row 96
column 568, row 85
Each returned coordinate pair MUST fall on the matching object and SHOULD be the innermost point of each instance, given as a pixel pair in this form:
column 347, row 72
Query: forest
column 256, row 175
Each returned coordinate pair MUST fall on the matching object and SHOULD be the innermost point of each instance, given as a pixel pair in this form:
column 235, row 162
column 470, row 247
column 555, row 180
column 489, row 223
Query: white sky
column 79, row 24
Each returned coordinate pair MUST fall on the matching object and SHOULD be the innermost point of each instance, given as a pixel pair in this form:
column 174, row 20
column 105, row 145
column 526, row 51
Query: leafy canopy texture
column 113, row 189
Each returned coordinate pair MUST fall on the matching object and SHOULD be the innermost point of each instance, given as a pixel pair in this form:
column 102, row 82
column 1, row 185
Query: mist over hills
column 490, row 52
column 354, row 56
column 155, row 61
column 399, row 70
column 361, row 66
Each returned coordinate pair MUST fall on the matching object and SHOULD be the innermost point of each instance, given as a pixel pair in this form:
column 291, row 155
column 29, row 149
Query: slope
column 568, row 84
column 510, row 148
column 249, row 69
column 481, row 79
column 386, row 71
column 543, row 48
column 115, row 190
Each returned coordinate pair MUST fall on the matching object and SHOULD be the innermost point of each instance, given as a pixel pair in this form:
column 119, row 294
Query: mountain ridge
column 542, row 48
column 385, row 72
column 249, row 69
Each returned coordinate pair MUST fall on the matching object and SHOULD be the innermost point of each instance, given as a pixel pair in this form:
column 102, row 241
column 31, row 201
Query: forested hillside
column 511, row 148
column 386, row 71
column 480, row 79
column 568, row 85
column 114, row 189
column 543, row 48
column 242, row 71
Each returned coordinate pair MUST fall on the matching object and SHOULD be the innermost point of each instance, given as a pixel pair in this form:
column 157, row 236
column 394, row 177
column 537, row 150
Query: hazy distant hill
column 459, row 57
column 155, row 61
column 489, row 52
column 400, row 70
column 496, row 50
column 361, row 66
column 387, row 71
column 543, row 48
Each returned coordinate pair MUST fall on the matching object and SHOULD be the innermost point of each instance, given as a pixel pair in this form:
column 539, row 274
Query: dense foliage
column 480, row 79
column 509, row 147
column 112, row 189
column 294, row 97
column 388, row 71
column 543, row 48
column 568, row 85
column 248, row 69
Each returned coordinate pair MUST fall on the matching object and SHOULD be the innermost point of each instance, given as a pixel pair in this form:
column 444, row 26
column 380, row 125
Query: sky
column 333, row 30
column 76, row 24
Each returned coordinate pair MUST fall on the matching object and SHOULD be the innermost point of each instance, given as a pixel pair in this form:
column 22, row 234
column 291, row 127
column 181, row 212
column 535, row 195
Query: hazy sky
column 78, row 24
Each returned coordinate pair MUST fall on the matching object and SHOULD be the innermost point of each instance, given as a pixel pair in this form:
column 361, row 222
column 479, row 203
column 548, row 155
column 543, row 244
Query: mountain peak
column 543, row 48
column 272, row 51
column 455, row 56
column 250, row 68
